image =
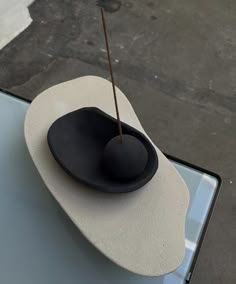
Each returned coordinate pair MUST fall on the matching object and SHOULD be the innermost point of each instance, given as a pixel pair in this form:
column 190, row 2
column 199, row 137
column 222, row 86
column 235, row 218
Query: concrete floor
column 176, row 62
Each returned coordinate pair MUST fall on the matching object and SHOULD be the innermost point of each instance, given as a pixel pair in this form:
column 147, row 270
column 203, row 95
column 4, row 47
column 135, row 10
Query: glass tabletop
column 38, row 242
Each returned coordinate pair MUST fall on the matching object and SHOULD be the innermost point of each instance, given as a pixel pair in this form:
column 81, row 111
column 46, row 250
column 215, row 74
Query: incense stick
column 111, row 73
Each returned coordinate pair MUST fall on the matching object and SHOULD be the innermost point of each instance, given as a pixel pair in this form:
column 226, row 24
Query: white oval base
column 142, row 231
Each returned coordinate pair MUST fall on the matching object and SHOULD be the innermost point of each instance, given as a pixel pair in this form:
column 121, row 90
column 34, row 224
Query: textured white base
column 142, row 231
column 14, row 18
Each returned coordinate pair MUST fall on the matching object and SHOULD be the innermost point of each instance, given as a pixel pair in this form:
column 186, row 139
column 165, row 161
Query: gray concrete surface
column 176, row 62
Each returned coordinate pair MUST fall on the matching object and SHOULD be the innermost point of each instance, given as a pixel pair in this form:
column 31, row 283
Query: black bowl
column 77, row 141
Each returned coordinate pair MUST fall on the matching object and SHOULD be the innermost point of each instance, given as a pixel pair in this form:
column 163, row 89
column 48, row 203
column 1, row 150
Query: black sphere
column 125, row 160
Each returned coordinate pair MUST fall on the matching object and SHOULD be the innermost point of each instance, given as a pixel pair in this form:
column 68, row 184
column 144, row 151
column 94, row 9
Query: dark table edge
column 203, row 234
column 15, row 95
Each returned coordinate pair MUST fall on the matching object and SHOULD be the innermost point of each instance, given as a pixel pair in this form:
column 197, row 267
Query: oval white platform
column 142, row 231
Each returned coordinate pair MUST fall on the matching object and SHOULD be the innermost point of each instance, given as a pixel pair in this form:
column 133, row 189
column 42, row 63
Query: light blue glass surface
column 38, row 242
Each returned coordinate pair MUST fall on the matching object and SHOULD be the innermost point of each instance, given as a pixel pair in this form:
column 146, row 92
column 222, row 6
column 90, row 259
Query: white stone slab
column 142, row 231
column 14, row 18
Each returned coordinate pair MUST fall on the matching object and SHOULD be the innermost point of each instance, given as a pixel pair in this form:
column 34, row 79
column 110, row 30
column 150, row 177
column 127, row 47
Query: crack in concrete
column 199, row 96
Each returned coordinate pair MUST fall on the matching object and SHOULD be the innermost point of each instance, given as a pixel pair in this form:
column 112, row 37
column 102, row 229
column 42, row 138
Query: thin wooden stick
column 111, row 73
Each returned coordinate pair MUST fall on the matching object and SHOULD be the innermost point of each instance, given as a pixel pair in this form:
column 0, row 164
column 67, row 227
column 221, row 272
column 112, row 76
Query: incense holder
column 125, row 158
column 142, row 231
column 85, row 144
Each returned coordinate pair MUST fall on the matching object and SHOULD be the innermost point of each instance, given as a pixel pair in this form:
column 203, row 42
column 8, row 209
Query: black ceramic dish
column 77, row 141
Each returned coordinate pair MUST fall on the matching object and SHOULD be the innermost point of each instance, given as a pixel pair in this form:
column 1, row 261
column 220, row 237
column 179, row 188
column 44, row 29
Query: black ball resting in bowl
column 85, row 144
